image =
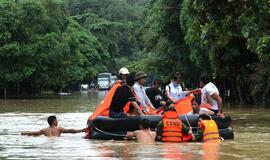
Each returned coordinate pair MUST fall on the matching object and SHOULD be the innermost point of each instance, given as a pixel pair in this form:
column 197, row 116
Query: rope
column 112, row 134
column 218, row 129
column 187, row 120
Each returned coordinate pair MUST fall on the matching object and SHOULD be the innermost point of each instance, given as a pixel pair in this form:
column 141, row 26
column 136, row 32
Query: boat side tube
column 120, row 135
column 133, row 123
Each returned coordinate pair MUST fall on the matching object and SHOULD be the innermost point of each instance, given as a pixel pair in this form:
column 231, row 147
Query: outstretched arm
column 195, row 91
column 130, row 135
column 36, row 133
column 63, row 130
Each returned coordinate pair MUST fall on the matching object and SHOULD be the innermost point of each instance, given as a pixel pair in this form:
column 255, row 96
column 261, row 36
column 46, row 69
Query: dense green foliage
column 55, row 45
column 41, row 48
column 115, row 23
column 164, row 41
column 228, row 40
column 234, row 37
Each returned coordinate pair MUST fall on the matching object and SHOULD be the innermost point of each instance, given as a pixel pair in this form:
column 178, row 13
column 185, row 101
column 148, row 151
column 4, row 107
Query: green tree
column 233, row 36
column 164, row 41
column 42, row 48
column 116, row 24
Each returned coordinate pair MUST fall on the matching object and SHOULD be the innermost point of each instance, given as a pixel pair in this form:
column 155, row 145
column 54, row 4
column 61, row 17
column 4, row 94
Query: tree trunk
column 240, row 94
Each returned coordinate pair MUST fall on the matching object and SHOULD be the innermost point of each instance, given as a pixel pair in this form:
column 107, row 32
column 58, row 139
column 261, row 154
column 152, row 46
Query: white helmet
column 123, row 71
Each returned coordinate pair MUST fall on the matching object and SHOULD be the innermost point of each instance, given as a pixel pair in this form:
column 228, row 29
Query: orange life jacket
column 172, row 127
column 128, row 105
column 210, row 131
column 104, row 105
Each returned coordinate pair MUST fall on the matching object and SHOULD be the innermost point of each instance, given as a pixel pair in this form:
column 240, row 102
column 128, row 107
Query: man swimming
column 144, row 135
column 53, row 130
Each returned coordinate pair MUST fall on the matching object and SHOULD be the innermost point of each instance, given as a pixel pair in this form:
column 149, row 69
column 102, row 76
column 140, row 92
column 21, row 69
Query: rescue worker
column 208, row 130
column 171, row 128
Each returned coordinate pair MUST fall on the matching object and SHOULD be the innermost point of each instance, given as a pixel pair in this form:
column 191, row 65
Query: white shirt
column 207, row 91
column 201, row 111
column 175, row 92
column 141, row 95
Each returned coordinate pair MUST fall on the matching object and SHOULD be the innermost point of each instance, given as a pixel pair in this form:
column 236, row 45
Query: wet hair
column 170, row 109
column 145, row 123
column 197, row 99
column 130, row 79
column 205, row 79
column 51, row 119
column 205, row 117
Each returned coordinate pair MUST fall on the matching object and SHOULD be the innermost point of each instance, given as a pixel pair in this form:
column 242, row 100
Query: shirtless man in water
column 53, row 130
column 144, row 135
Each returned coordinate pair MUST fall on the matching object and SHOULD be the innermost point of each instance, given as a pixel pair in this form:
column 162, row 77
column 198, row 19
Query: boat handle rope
column 187, row 121
column 121, row 135
column 112, row 134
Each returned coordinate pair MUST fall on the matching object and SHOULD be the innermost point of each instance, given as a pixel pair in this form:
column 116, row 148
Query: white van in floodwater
column 103, row 83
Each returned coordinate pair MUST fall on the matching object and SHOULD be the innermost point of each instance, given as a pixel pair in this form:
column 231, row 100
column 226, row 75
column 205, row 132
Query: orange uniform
column 172, row 127
column 210, row 132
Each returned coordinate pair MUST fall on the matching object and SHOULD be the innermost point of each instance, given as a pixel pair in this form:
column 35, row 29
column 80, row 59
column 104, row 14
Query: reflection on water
column 252, row 134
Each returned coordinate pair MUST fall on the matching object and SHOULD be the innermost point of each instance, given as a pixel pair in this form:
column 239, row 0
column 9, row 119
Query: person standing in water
column 207, row 131
column 144, row 135
column 53, row 130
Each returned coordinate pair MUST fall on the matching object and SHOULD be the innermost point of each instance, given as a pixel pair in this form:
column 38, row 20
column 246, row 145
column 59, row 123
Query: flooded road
column 250, row 123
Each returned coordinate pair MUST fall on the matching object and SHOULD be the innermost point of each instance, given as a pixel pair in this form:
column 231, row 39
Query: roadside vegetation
column 56, row 45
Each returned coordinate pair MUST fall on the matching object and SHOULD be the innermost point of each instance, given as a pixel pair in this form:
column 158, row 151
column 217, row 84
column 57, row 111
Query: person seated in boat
column 143, row 99
column 53, row 130
column 123, row 96
column 197, row 109
column 207, row 131
column 122, row 75
column 210, row 95
column 171, row 128
column 144, row 135
column 174, row 91
column 155, row 95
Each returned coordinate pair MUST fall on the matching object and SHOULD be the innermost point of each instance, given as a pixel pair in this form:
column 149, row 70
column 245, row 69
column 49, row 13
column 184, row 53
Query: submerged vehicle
column 113, row 80
column 103, row 83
